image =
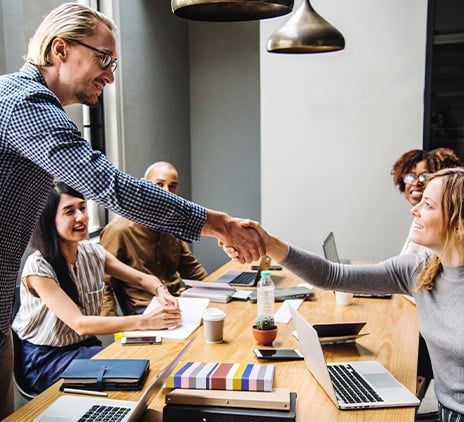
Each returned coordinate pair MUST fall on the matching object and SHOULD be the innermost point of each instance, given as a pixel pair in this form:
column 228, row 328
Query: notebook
column 370, row 379
column 106, row 374
column 330, row 252
column 72, row 408
column 339, row 332
column 245, row 278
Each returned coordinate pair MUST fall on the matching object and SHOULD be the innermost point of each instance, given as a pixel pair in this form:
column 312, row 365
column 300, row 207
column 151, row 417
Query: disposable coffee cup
column 213, row 324
column 343, row 298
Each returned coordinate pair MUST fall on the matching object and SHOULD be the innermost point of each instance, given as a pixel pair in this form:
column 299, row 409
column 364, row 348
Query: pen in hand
column 86, row 392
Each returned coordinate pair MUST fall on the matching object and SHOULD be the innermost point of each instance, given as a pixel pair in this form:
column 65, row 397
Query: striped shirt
column 35, row 322
column 39, row 142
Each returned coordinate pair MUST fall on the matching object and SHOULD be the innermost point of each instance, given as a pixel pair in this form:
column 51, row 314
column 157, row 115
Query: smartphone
column 278, row 354
column 141, row 340
column 271, row 267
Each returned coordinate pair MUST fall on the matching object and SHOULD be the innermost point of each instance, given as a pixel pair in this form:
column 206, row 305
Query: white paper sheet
column 283, row 313
column 192, row 309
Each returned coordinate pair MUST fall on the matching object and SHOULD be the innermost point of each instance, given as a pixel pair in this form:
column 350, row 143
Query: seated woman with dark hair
column 62, row 289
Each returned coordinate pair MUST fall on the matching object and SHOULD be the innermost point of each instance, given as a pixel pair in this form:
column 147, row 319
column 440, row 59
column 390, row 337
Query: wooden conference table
column 393, row 341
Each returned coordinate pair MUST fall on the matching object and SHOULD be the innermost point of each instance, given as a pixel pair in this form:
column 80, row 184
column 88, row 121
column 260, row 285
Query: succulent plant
column 265, row 322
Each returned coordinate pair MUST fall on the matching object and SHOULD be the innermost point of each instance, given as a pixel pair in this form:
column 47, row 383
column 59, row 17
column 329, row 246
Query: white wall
column 333, row 124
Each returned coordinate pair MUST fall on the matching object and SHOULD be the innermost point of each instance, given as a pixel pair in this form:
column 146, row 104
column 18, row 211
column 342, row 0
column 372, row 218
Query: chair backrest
column 18, row 374
column 120, row 296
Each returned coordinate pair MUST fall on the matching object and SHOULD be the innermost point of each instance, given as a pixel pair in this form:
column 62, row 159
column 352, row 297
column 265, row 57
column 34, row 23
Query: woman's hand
column 161, row 317
column 165, row 298
column 275, row 248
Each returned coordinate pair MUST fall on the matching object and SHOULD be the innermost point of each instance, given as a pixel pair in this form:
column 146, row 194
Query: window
column 444, row 98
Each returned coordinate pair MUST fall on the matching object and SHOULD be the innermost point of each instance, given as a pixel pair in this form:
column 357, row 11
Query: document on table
column 283, row 313
column 192, row 309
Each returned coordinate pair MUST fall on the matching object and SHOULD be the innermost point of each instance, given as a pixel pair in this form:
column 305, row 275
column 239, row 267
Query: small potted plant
column 265, row 330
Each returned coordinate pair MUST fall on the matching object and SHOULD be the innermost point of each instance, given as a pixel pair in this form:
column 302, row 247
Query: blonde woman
column 436, row 280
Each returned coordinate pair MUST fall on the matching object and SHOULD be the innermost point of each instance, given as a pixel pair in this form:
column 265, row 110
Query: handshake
column 246, row 241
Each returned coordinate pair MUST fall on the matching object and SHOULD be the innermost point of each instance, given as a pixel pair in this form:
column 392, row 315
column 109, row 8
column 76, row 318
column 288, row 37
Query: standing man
column 70, row 59
column 150, row 251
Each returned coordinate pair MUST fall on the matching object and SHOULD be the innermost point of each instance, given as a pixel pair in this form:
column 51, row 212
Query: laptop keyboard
column 351, row 387
column 105, row 413
column 244, row 278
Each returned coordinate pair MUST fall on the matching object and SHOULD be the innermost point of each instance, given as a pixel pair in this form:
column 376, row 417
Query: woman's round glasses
column 106, row 59
column 410, row 178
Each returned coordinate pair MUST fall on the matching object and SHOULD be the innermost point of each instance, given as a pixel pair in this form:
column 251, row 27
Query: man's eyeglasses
column 106, row 59
column 410, row 178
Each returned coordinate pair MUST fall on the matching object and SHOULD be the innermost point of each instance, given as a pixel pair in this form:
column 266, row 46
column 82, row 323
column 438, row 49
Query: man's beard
column 87, row 100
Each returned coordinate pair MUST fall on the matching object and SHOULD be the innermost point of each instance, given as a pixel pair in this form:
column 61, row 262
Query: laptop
column 350, row 385
column 330, row 252
column 74, row 408
column 245, row 278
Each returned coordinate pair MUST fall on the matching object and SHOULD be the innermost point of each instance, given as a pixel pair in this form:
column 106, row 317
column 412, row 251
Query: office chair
column 18, row 377
column 120, row 296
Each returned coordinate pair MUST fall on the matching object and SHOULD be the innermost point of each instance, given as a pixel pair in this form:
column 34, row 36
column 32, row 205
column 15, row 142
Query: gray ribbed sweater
column 440, row 314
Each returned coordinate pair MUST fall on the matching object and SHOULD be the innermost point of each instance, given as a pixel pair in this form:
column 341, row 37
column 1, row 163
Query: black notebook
column 106, row 374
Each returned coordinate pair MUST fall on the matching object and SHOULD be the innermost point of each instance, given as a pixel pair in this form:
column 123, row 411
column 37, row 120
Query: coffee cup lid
column 213, row 314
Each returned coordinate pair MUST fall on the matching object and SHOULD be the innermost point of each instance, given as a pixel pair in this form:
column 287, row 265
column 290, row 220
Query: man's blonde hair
column 71, row 21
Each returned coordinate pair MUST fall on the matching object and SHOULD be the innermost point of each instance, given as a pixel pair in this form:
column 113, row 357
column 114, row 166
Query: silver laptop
column 330, row 250
column 350, row 385
column 245, row 278
column 74, row 408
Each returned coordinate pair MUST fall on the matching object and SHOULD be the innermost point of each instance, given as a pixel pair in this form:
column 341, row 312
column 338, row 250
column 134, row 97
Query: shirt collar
column 32, row 72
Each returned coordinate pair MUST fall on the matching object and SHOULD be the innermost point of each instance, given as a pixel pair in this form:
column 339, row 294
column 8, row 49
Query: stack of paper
column 215, row 292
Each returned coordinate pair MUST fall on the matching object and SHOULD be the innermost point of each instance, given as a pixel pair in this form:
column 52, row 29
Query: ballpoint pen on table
column 86, row 392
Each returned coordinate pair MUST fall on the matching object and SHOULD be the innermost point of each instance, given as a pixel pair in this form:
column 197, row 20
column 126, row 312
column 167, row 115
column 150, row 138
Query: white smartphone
column 278, row 354
column 141, row 340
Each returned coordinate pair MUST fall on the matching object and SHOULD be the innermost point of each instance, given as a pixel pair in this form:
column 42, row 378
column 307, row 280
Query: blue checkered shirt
column 37, row 143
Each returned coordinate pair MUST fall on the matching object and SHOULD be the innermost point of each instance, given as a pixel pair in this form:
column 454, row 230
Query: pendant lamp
column 306, row 32
column 230, row 10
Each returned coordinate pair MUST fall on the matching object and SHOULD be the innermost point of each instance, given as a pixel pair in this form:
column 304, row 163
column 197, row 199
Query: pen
column 86, row 392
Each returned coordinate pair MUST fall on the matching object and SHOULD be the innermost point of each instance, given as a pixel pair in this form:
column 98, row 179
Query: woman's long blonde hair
column 452, row 230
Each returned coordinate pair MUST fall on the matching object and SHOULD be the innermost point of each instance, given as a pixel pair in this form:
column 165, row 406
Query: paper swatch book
column 106, row 374
column 222, row 376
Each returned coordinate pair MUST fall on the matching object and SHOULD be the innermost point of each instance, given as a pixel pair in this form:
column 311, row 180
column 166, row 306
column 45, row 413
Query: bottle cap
column 265, row 273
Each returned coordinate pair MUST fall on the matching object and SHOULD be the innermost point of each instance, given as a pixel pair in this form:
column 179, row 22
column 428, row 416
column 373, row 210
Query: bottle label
column 265, row 299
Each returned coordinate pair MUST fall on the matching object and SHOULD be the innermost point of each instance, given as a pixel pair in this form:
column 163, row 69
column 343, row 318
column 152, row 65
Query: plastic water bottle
column 265, row 294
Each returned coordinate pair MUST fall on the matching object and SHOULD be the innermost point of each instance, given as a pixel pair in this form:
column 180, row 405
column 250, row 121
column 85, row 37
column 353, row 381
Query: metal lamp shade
column 306, row 32
column 230, row 10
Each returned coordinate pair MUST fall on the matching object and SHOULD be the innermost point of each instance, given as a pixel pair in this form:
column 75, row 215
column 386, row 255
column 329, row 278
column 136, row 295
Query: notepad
column 192, row 309
column 222, row 376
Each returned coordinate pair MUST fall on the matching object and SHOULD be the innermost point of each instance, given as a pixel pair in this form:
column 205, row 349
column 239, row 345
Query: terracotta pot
column 265, row 337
